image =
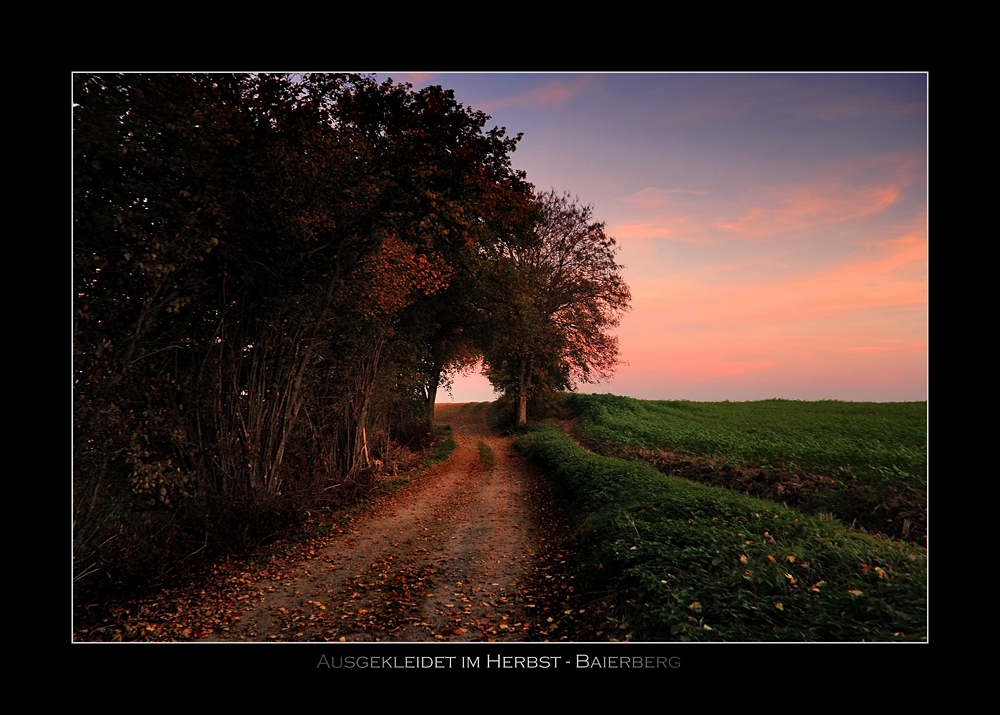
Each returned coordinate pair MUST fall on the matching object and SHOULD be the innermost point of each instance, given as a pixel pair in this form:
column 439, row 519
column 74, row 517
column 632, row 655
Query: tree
column 265, row 267
column 566, row 294
column 454, row 196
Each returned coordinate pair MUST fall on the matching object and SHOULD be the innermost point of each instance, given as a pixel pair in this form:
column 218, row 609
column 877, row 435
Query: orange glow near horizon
column 694, row 327
column 773, row 227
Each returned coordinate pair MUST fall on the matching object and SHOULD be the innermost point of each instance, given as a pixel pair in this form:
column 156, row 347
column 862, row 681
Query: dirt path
column 448, row 560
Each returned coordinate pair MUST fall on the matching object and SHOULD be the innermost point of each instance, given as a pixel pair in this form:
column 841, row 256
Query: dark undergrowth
column 152, row 549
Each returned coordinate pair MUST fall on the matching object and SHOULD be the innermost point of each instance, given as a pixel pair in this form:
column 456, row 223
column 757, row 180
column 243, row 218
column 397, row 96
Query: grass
column 444, row 445
column 486, row 455
column 681, row 560
column 878, row 443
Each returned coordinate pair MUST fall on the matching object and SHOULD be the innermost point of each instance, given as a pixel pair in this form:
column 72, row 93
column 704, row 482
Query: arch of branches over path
column 273, row 274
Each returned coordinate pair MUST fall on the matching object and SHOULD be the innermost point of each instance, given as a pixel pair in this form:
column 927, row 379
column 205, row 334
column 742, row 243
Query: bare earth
column 448, row 560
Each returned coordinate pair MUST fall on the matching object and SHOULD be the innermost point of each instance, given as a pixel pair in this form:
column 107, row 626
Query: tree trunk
column 522, row 393
column 432, row 388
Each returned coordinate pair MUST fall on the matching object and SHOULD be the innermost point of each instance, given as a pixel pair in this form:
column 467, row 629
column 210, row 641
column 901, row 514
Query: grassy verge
column 444, row 445
column 686, row 561
column 486, row 455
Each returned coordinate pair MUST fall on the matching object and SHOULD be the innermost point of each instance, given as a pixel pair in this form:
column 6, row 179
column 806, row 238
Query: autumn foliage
column 272, row 275
column 568, row 296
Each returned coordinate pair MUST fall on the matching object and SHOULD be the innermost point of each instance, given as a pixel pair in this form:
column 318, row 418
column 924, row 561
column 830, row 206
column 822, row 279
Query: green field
column 682, row 547
column 876, row 442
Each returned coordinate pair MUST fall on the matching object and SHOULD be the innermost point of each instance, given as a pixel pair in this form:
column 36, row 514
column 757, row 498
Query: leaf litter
column 466, row 551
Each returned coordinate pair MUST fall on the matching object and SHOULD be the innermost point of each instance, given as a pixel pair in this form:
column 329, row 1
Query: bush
column 548, row 404
column 149, row 550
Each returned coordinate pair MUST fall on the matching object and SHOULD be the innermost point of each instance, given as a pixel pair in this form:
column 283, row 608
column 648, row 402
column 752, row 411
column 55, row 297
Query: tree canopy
column 272, row 276
column 568, row 295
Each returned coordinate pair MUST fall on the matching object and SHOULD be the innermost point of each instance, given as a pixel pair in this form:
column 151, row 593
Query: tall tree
column 567, row 295
column 261, row 263
column 336, row 210
column 451, row 193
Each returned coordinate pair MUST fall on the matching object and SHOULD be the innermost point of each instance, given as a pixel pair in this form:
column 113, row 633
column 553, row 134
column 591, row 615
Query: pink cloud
column 885, row 348
column 553, row 92
column 799, row 208
column 862, row 315
column 841, row 192
column 653, row 196
column 780, row 212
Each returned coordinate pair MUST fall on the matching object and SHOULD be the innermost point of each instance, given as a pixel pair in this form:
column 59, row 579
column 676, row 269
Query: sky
column 773, row 227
